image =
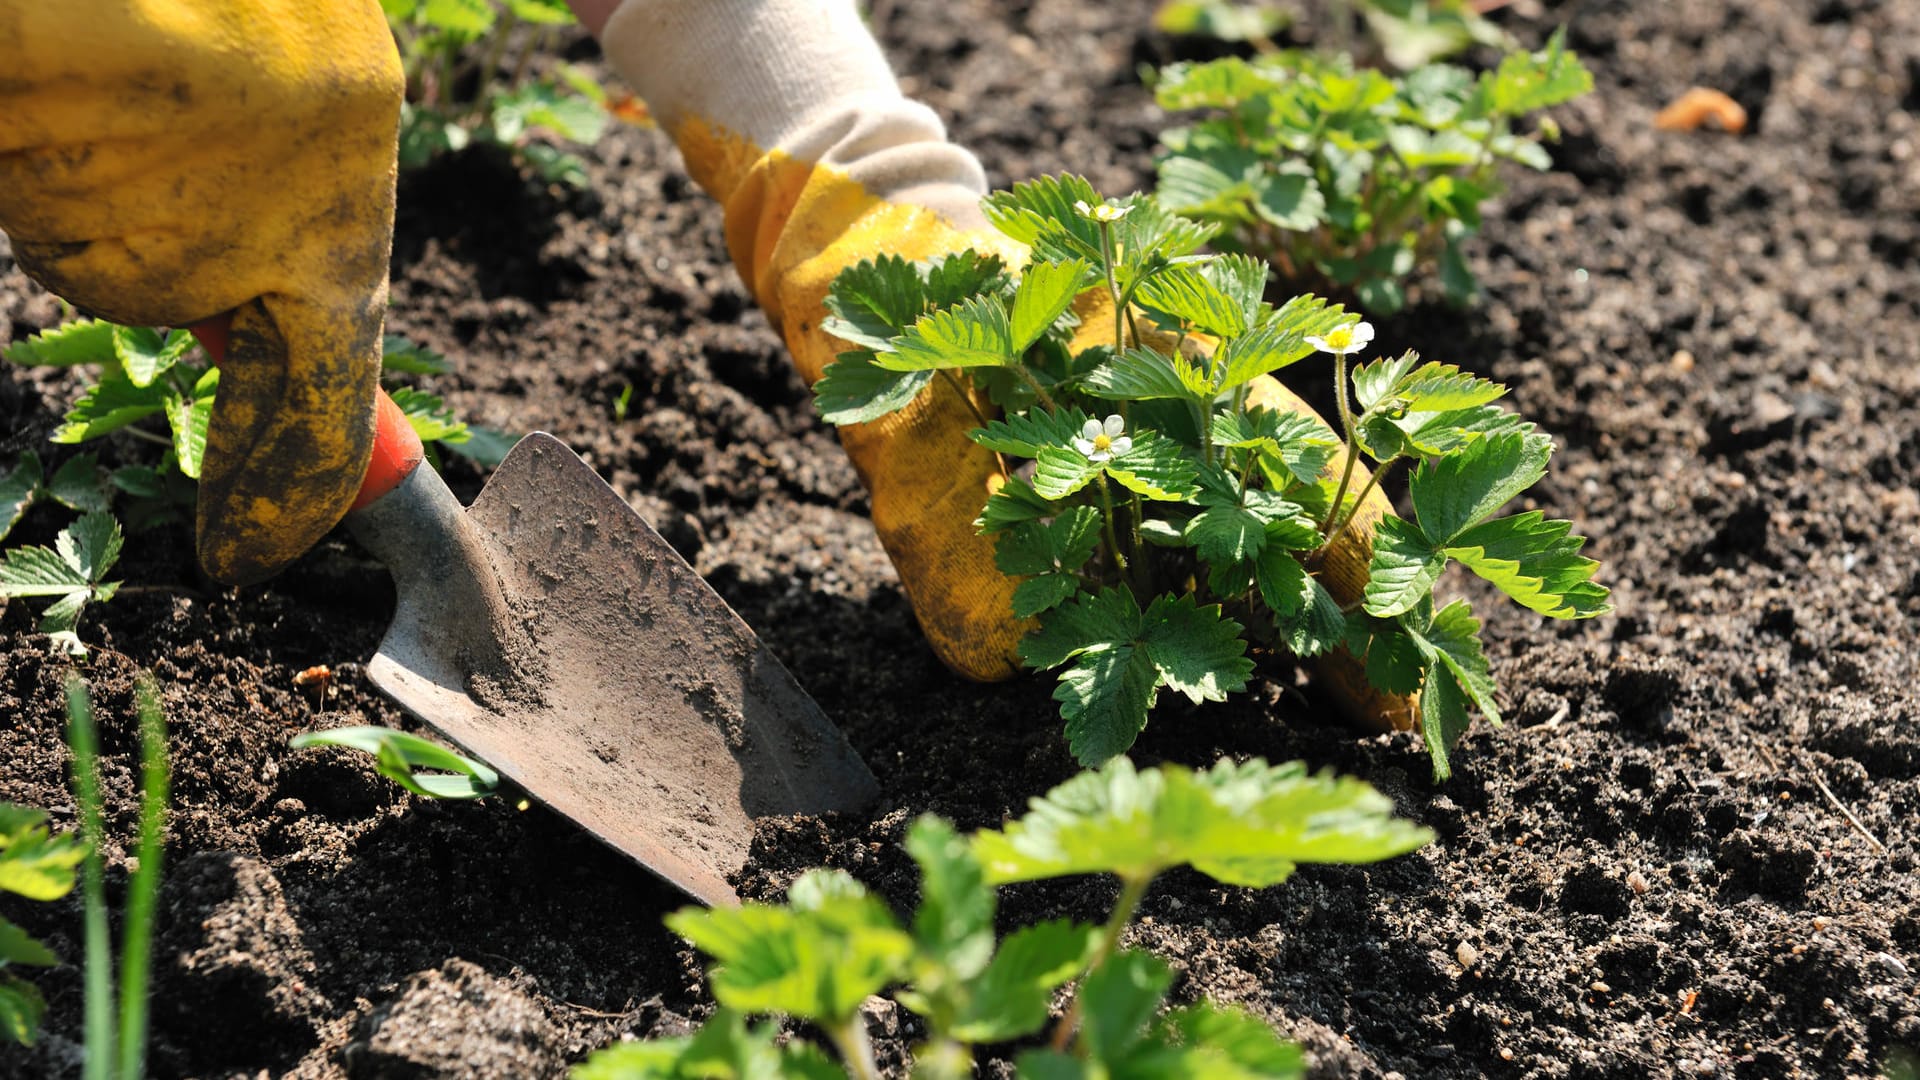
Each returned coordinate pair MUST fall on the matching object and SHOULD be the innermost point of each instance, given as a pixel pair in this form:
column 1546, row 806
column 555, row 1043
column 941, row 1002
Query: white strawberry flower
column 1103, row 441
column 1106, row 213
column 1344, row 340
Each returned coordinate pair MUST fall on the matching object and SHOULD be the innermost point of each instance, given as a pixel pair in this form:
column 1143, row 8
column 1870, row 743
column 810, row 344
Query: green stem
column 1039, row 391
column 1132, row 890
column 136, row 946
column 1358, row 501
column 1352, row 436
column 1113, row 288
column 84, row 743
column 490, row 63
column 973, row 406
column 1113, row 536
column 147, row 436
column 856, row 1050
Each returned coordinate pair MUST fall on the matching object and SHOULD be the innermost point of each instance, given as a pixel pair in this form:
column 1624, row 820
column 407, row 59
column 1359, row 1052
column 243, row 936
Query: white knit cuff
column 800, row 76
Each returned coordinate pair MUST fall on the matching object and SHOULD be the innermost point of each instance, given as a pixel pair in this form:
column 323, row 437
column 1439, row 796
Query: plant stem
column 973, row 406
column 1358, row 501
column 490, row 64
column 1113, row 288
column 1131, row 892
column 1353, row 440
column 136, row 946
column 1038, row 390
column 1113, row 536
column 84, row 743
column 856, row 1050
column 148, row 436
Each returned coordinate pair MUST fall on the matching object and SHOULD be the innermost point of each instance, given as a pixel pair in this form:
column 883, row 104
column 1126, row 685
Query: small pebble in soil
column 1467, row 955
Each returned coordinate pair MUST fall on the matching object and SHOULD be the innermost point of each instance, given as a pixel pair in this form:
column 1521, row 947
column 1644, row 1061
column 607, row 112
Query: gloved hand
column 788, row 114
column 163, row 162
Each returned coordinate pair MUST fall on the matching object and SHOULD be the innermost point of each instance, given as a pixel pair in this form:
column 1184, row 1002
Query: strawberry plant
column 1344, row 177
column 468, row 67
column 819, row 956
column 1156, row 515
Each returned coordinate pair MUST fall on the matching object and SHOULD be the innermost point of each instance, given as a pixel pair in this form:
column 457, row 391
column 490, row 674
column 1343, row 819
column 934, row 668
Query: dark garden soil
column 1648, row 872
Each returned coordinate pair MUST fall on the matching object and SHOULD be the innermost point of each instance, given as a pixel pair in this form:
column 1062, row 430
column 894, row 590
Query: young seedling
column 1343, row 177
column 37, row 865
column 819, row 956
column 399, row 756
column 1166, row 516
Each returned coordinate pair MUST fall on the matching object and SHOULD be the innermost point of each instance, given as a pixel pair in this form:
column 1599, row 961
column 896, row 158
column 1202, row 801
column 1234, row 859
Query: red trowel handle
column 396, row 447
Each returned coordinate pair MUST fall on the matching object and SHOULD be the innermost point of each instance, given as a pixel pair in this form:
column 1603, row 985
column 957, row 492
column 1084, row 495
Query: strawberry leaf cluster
column 1344, row 177
column 1160, row 512
column 832, row 945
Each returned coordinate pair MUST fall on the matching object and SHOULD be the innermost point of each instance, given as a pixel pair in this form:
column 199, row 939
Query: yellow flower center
column 1102, row 443
column 1341, row 338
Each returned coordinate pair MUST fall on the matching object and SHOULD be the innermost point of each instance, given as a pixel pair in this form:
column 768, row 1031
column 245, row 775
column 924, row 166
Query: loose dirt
column 1648, row 872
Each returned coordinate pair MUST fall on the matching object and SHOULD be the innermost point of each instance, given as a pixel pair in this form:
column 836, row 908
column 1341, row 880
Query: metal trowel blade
column 550, row 632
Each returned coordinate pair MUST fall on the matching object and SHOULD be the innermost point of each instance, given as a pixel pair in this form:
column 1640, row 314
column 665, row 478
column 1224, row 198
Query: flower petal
column 1122, row 444
column 1363, row 333
column 1085, row 446
column 1090, row 429
column 1115, row 426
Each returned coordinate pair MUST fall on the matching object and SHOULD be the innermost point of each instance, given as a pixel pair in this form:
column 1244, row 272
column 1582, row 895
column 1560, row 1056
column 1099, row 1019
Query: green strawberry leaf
column 1155, row 467
column 1288, row 197
column 1016, row 501
column 1404, row 570
column 19, row 947
column 1536, row 562
column 1059, row 472
column 973, row 333
column 954, row 924
column 145, row 353
column 1011, row 998
column 1281, row 339
column 400, row 356
column 110, row 405
column 1146, row 375
column 1454, row 493
column 1307, row 616
column 1028, row 433
column 1104, row 699
column 816, row 958
column 874, row 301
column 1190, row 297
column 34, row 862
column 1453, row 639
column 82, row 341
column 76, row 485
column 1118, row 999
column 1241, row 824
column 188, row 418
column 855, row 390
column 18, row 490
column 21, row 1010
column 1045, row 292
column 1443, row 717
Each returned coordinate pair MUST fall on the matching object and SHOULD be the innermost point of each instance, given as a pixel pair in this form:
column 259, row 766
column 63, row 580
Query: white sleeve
column 802, row 78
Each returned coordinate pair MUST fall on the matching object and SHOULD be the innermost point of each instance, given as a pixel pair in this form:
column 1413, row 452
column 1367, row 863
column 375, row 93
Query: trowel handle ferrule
column 396, row 451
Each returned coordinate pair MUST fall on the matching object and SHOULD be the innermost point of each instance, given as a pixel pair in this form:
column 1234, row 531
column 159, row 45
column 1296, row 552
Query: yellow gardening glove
column 163, row 162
